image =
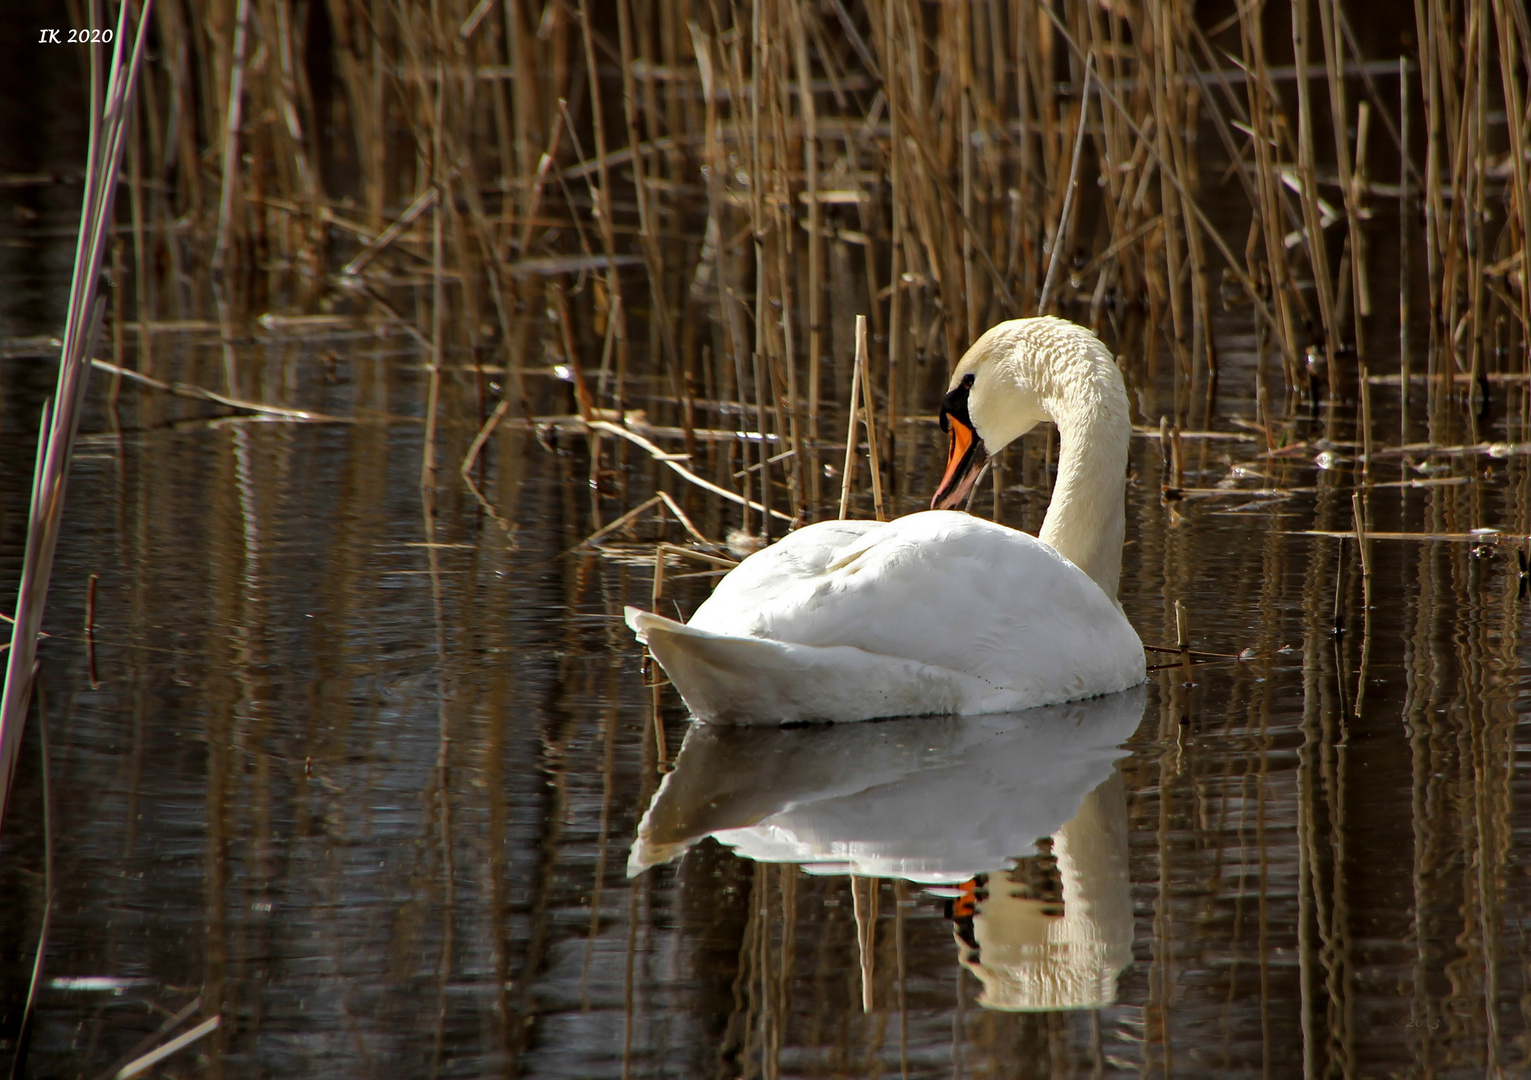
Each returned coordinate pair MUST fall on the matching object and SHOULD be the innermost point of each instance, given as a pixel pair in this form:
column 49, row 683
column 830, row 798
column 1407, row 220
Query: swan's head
column 993, row 399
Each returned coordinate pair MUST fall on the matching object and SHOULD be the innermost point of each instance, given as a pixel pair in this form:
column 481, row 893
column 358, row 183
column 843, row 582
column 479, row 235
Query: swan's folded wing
column 744, row 680
column 943, row 589
column 783, row 576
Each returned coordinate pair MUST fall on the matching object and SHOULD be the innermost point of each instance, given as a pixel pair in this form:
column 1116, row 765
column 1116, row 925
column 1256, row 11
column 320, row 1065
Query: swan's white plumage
column 934, row 612
column 937, row 612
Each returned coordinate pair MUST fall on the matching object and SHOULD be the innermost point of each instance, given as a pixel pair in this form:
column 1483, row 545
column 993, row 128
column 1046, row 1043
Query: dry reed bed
column 700, row 196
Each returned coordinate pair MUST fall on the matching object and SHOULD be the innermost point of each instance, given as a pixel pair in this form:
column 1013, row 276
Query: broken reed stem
column 1365, row 394
column 1307, row 171
column 864, row 892
column 969, row 293
column 851, row 440
column 180, row 1042
column 647, row 232
column 680, row 515
column 1166, row 465
column 686, row 522
column 171, row 1023
column 626, row 519
column 722, row 562
column 1183, row 640
column 1334, row 62
column 423, row 202
column 471, row 457
column 869, row 415
column 815, row 232
column 1356, row 508
column 438, row 303
column 1363, row 542
column 791, row 429
column 145, row 357
column 1511, row 50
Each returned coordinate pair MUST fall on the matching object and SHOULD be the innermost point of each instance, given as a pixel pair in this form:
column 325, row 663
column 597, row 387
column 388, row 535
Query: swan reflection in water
column 949, row 803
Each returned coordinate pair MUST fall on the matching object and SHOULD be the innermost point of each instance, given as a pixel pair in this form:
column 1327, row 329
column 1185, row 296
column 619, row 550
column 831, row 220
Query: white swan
column 938, row 612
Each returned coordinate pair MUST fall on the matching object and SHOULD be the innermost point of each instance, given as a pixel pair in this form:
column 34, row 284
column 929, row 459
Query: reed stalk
column 869, row 415
column 1404, row 281
column 1061, row 237
column 1307, row 172
column 848, row 470
column 1334, row 61
column 110, row 111
column 815, row 290
column 233, row 118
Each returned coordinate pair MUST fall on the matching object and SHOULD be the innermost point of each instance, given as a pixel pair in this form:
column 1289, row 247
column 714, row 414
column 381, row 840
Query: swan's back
column 943, row 612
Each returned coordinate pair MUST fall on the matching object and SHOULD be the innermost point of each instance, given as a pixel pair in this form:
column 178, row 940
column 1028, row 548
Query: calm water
column 375, row 802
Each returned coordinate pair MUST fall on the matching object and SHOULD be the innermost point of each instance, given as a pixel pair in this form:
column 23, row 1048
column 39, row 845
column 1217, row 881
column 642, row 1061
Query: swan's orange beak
column 965, row 459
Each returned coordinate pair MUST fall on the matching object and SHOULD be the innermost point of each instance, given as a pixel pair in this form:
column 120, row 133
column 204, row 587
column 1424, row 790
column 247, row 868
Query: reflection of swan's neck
column 1085, row 521
column 1032, row 953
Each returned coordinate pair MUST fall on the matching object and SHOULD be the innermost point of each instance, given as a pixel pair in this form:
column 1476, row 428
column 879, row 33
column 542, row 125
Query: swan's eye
column 956, row 403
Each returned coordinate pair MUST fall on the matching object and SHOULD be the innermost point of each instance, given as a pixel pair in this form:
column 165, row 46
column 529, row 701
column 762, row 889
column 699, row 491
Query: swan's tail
column 744, row 680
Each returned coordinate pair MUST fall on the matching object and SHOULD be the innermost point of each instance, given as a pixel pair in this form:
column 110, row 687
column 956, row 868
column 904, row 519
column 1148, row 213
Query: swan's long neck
column 1079, row 388
column 1049, row 368
column 1086, row 521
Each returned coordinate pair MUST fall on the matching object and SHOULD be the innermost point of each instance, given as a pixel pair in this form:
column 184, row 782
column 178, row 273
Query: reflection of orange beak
column 965, row 459
column 964, row 906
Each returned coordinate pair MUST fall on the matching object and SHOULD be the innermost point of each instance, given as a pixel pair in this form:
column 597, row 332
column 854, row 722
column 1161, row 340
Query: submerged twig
column 680, row 516
column 198, row 393
column 674, row 462
column 626, row 519
column 180, row 1042
column 171, row 1023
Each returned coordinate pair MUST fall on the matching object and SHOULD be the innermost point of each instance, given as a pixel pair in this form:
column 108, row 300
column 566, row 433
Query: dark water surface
column 375, row 802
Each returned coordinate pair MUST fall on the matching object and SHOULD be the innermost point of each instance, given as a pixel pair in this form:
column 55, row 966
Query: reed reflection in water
column 395, row 832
